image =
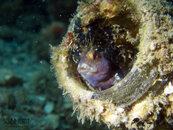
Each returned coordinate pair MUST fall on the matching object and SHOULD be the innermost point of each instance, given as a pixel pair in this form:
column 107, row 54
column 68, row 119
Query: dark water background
column 29, row 94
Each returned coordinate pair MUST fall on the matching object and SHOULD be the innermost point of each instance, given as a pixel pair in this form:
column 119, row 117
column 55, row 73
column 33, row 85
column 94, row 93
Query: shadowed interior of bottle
column 116, row 39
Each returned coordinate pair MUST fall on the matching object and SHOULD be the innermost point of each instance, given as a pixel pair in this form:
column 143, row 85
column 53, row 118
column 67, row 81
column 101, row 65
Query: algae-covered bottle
column 116, row 62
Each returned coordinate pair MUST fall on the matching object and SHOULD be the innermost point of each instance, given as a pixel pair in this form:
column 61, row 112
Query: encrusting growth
column 116, row 62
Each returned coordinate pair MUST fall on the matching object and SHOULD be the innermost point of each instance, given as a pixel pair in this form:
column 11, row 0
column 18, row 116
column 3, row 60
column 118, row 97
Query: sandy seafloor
column 29, row 93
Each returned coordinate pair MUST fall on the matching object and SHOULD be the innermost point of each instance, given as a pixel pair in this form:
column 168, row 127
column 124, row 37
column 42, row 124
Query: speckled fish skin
column 96, row 70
